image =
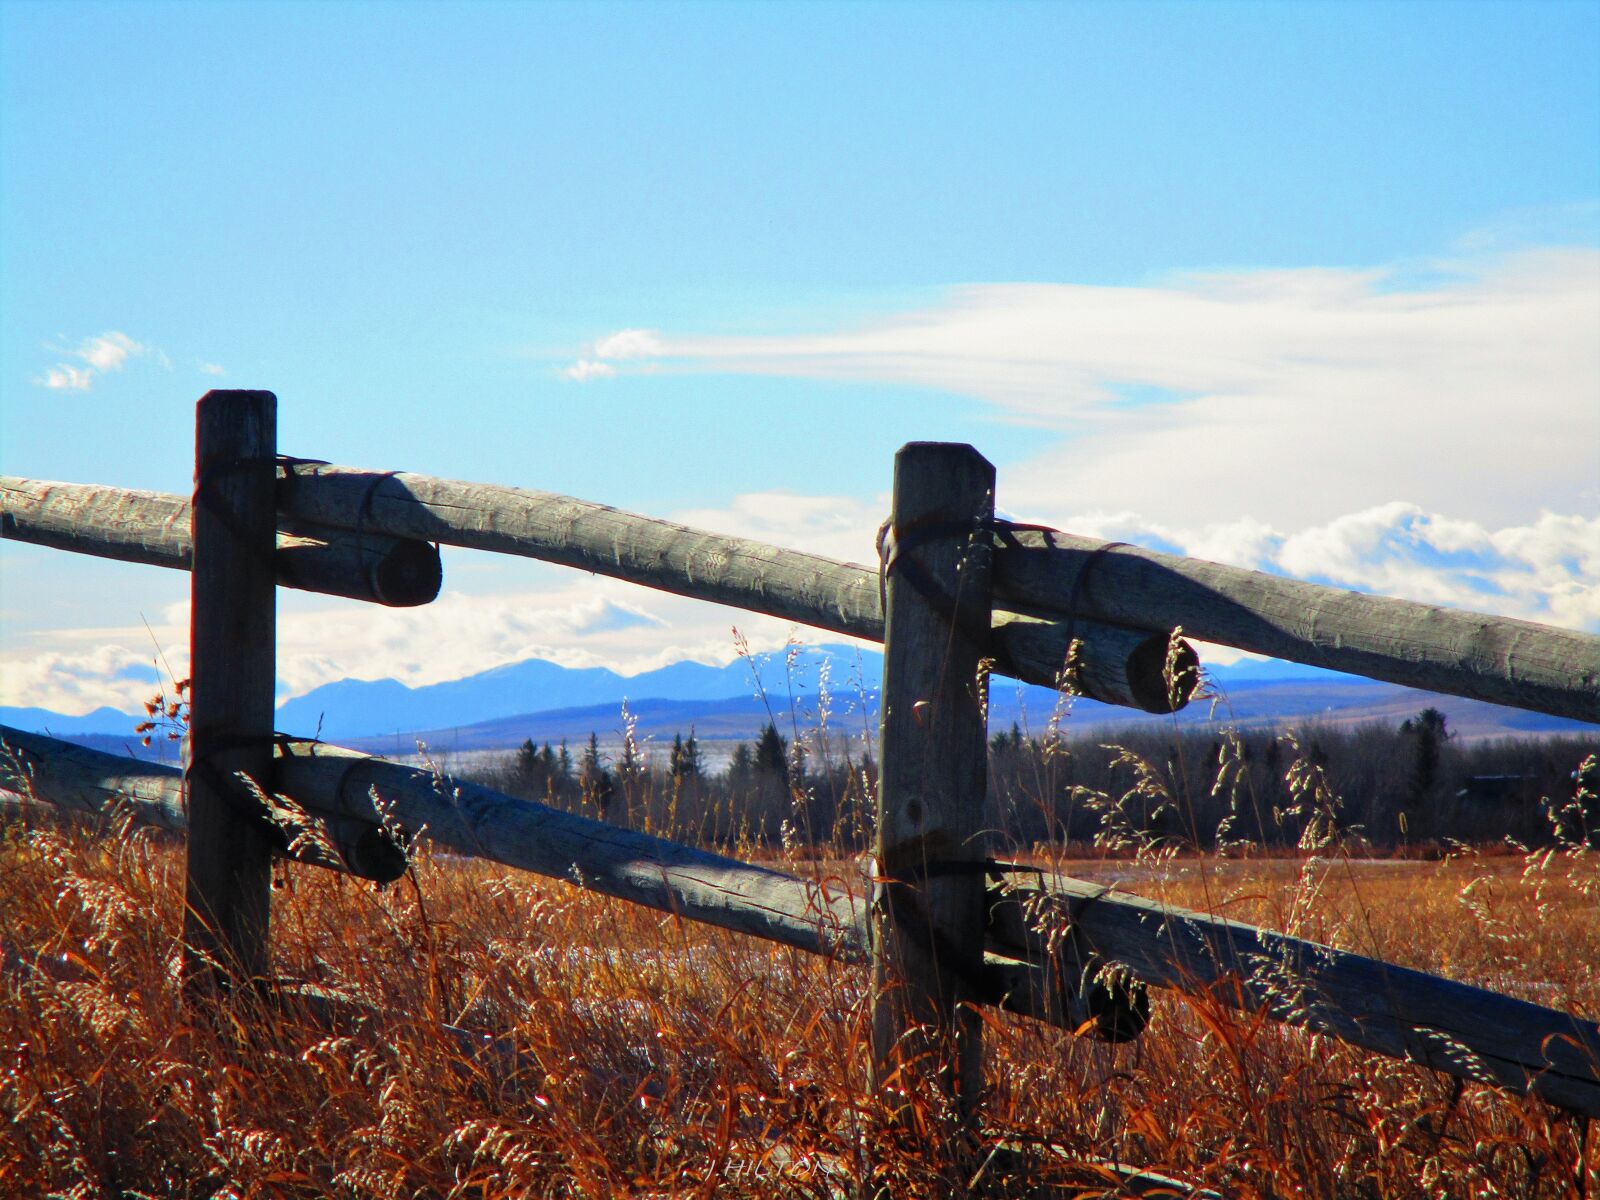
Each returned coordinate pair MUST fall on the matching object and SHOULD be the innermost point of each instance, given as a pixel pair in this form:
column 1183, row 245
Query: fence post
column 928, row 911
column 232, row 665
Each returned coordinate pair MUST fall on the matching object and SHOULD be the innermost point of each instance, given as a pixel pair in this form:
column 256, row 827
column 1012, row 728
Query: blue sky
column 1297, row 285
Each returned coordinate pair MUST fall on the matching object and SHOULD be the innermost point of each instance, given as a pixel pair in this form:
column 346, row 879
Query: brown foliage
column 483, row 1034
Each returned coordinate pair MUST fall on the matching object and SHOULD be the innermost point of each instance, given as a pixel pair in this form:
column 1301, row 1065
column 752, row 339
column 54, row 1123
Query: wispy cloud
column 101, row 354
column 211, row 368
column 1294, row 395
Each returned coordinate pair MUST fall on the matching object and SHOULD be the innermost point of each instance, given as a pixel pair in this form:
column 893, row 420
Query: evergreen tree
column 772, row 753
column 741, row 769
column 598, row 786
column 525, row 773
column 1428, row 733
column 684, row 761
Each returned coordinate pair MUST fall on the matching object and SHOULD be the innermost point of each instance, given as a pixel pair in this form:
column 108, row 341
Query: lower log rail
column 342, row 791
column 90, row 783
column 1464, row 1031
column 1054, row 949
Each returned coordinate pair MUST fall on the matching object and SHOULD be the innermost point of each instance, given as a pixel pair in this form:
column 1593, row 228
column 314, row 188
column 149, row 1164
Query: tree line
column 1412, row 784
column 774, row 790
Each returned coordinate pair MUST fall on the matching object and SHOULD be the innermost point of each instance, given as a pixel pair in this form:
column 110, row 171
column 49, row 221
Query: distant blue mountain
column 356, row 708
column 106, row 721
column 541, row 700
column 1272, row 670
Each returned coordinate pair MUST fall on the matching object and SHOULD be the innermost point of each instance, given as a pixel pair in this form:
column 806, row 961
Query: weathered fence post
column 233, row 642
column 928, row 912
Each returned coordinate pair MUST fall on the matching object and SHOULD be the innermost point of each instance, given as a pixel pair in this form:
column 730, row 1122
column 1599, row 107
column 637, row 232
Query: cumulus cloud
column 1294, row 395
column 586, row 369
column 102, row 354
column 581, row 621
column 64, row 377
column 1544, row 570
column 1547, row 570
column 108, row 351
column 623, row 346
column 629, row 343
column 75, row 679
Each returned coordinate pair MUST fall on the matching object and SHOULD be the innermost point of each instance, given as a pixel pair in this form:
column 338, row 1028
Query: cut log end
column 1162, row 675
column 372, row 852
column 410, row 574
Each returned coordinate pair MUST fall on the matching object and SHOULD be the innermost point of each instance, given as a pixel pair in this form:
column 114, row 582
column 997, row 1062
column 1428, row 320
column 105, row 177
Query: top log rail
column 1503, row 661
column 1116, row 665
column 154, row 528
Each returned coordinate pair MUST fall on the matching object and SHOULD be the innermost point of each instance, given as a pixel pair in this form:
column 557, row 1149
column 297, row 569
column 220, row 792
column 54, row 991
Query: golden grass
column 481, row 1034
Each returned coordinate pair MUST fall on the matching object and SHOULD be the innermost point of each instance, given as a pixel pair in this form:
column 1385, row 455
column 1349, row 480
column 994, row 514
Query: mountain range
column 499, row 708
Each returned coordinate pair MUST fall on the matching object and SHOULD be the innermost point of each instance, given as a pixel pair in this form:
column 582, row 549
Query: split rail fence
column 956, row 595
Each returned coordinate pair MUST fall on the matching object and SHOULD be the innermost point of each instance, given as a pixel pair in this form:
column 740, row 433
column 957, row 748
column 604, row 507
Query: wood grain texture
column 1503, row 661
column 233, row 673
column 90, row 783
column 807, row 588
column 928, row 921
column 153, row 528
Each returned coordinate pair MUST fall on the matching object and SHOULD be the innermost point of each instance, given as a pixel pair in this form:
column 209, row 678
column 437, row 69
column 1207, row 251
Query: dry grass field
column 469, row 1032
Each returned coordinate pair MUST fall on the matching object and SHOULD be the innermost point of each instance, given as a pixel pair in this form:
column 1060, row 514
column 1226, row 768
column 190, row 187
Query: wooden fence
column 956, row 594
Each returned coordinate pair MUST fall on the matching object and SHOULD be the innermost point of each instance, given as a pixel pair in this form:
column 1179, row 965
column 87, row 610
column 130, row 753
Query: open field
column 478, row 1033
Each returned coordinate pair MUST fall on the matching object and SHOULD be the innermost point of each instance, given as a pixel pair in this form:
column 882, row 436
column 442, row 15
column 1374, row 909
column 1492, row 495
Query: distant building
column 1496, row 789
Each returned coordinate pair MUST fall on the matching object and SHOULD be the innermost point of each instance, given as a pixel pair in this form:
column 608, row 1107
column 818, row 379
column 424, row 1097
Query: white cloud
column 586, row 369
column 1294, row 395
column 581, row 621
column 629, row 343
column 103, row 353
column 588, row 622
column 76, row 679
column 109, row 351
column 64, row 377
column 1546, row 571
column 835, row 526
column 209, row 368
column 622, row 346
